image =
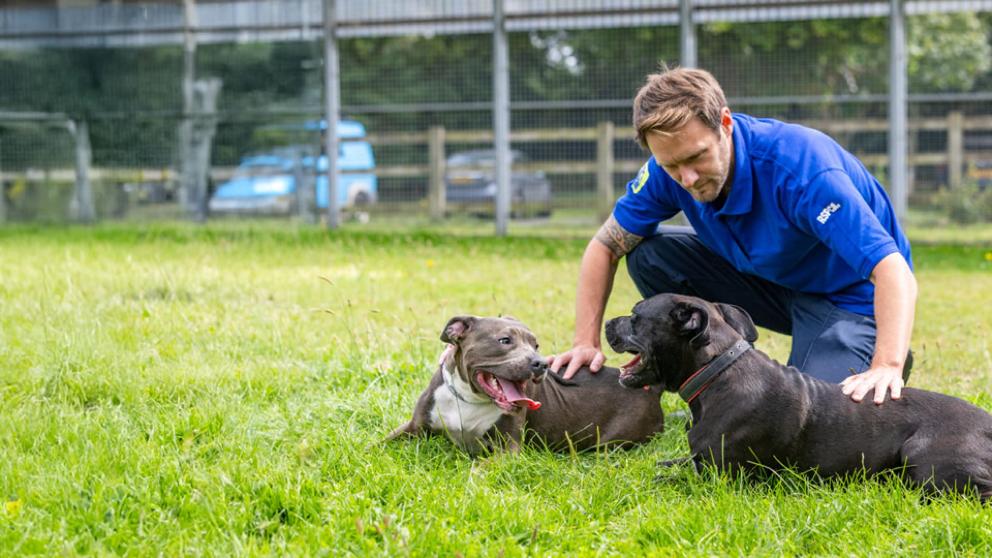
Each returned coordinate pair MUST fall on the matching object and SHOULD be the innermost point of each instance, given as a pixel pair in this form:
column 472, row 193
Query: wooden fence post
column 955, row 148
column 436, row 195
column 605, row 134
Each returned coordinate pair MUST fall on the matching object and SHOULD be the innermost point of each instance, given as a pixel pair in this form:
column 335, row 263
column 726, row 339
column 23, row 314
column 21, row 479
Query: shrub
column 966, row 204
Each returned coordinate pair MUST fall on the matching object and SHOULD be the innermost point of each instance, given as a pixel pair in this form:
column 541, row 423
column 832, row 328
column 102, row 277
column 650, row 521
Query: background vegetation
column 132, row 97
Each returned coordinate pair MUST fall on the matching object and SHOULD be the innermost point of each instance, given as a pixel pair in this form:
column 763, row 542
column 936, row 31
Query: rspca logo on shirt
column 827, row 212
column 642, row 178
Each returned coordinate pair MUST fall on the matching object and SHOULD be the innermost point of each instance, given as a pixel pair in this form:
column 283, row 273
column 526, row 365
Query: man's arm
column 596, row 273
column 895, row 309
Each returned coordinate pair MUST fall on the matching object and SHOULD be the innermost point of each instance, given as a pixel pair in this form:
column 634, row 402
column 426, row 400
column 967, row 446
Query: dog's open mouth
column 506, row 394
column 631, row 368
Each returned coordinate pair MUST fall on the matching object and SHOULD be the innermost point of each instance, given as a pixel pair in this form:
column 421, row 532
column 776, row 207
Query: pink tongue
column 634, row 362
column 514, row 396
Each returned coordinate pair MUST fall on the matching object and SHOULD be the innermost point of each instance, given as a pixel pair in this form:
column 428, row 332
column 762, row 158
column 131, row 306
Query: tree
column 948, row 52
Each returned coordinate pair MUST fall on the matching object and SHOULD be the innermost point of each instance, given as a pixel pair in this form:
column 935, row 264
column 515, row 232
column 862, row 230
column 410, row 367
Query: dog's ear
column 693, row 321
column 737, row 318
column 455, row 330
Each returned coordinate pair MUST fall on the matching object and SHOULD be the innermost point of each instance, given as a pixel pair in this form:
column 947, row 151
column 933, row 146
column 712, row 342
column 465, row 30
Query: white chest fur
column 463, row 422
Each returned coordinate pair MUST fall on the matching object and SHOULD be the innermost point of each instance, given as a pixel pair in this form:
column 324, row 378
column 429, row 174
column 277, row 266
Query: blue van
column 266, row 183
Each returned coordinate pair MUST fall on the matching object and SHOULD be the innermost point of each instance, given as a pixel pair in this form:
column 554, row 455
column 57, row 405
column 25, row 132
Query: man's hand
column 895, row 300
column 599, row 266
column 575, row 358
column 879, row 378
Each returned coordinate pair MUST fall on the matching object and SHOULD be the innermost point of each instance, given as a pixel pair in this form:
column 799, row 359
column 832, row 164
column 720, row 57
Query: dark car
column 470, row 182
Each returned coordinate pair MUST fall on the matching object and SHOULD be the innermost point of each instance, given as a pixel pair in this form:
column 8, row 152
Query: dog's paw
column 668, row 463
column 672, row 469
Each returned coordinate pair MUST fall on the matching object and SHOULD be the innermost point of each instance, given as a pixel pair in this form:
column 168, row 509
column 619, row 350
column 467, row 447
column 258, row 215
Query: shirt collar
column 741, row 192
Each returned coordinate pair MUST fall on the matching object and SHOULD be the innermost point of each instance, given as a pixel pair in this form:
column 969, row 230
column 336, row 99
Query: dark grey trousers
column 828, row 342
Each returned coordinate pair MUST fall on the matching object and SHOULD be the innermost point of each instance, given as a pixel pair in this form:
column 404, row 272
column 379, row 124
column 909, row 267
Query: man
column 787, row 225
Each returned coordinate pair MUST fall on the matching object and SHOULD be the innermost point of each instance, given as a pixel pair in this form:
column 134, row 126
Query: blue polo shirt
column 802, row 212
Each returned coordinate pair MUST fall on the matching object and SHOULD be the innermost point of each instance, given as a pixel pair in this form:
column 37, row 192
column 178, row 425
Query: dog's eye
column 505, row 341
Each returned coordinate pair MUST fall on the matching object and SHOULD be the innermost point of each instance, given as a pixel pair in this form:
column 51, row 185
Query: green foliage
column 413, row 69
column 48, row 201
column 223, row 390
column 81, row 82
column 130, row 97
column 948, row 52
column 820, row 57
column 133, row 99
column 965, row 204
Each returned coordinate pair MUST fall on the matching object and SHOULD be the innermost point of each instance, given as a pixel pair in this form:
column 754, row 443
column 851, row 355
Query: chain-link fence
column 208, row 109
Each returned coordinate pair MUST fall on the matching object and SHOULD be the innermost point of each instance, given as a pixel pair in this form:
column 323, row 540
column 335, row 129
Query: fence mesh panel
column 419, row 77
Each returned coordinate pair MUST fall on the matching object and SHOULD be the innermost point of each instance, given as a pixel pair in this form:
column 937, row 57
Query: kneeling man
column 785, row 223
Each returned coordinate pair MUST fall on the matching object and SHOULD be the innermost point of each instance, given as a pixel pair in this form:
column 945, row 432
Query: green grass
column 174, row 390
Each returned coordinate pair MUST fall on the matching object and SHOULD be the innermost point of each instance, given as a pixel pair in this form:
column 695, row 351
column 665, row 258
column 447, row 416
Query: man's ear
column 693, row 321
column 456, row 328
column 737, row 318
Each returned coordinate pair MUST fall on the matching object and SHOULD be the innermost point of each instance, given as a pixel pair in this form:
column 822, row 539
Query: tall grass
column 170, row 390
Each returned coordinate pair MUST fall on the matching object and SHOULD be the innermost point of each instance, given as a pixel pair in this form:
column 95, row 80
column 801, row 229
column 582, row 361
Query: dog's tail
column 407, row 430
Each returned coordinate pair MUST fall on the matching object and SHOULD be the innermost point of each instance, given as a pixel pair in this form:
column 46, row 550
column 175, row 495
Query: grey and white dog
column 748, row 409
column 489, row 388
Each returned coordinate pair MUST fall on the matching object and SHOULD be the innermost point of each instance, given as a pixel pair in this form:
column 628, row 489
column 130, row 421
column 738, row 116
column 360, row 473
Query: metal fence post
column 605, row 134
column 205, row 93
column 501, row 117
column 436, row 196
column 187, row 172
column 3, row 189
column 687, row 35
column 81, row 206
column 955, row 148
column 332, row 111
column 304, row 188
column 897, row 107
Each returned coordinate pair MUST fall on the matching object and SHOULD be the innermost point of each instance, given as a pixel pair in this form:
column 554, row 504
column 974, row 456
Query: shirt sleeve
column 646, row 201
column 833, row 210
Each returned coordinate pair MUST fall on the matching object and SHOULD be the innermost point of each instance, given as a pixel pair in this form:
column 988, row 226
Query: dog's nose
column 611, row 328
column 538, row 366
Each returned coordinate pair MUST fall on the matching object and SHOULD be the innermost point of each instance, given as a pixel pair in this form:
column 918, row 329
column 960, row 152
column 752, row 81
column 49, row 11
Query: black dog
column 748, row 409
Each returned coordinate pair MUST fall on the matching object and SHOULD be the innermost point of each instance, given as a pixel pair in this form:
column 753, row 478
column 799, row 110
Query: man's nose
column 689, row 176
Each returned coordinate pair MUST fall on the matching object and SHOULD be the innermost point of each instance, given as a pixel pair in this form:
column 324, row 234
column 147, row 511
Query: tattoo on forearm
column 618, row 240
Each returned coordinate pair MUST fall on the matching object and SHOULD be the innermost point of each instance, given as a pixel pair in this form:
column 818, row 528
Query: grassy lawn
column 173, row 390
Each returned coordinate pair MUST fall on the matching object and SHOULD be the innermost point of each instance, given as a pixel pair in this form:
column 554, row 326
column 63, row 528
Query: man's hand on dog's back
column 577, row 357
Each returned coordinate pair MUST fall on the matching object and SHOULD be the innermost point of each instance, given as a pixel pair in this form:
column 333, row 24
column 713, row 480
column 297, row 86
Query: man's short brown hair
column 670, row 99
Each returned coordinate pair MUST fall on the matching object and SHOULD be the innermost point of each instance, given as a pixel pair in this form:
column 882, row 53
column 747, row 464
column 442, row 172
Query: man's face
column 696, row 157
